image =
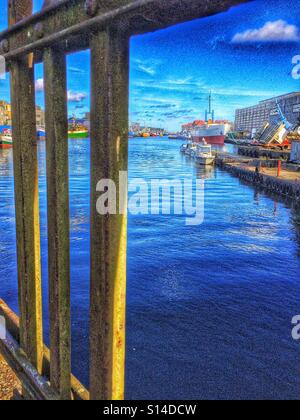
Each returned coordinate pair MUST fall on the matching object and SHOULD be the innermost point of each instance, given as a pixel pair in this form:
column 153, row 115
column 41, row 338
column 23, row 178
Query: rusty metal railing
column 65, row 26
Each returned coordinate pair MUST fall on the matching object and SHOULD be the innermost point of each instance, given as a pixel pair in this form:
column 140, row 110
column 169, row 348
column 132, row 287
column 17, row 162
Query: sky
column 242, row 56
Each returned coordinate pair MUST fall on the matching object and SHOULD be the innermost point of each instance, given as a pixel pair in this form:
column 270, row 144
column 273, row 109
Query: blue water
column 209, row 307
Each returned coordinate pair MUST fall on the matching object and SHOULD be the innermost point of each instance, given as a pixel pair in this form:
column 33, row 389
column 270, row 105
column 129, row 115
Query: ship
column 203, row 154
column 213, row 132
column 78, row 134
column 77, row 130
column 6, row 140
column 41, row 132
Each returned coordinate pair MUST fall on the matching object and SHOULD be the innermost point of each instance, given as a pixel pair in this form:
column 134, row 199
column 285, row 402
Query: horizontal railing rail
column 74, row 19
column 79, row 392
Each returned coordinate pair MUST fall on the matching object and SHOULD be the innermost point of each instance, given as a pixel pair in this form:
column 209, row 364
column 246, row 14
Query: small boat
column 78, row 134
column 183, row 148
column 76, row 130
column 6, row 140
column 203, row 154
column 41, row 132
column 191, row 149
column 145, row 135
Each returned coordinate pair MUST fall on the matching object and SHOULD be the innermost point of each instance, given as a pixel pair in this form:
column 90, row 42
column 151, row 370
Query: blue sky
column 243, row 56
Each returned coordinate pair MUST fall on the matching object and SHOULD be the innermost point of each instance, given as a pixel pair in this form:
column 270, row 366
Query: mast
column 210, row 114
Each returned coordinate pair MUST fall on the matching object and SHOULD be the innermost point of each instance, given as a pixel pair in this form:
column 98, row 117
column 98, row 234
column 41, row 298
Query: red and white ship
column 213, row 132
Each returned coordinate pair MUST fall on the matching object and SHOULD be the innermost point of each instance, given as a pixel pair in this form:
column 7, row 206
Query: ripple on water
column 209, row 307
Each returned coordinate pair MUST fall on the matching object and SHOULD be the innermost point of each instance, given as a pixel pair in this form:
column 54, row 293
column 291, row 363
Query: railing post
column 58, row 220
column 26, row 200
column 109, row 155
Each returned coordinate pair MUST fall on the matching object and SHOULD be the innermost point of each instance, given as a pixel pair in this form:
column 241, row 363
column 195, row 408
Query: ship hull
column 5, row 145
column 78, row 135
column 205, row 161
column 6, row 142
column 211, row 133
column 216, row 140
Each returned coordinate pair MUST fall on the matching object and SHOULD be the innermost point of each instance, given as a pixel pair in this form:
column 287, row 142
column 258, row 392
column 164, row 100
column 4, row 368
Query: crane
column 286, row 123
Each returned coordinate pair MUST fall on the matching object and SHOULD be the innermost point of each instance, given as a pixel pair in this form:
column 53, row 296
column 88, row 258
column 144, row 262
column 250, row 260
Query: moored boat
column 203, row 154
column 78, row 134
column 213, row 132
column 77, row 130
column 6, row 140
column 41, row 132
column 189, row 149
column 183, row 148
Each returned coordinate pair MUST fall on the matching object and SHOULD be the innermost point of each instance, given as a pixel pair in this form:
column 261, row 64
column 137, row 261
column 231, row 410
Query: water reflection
column 5, row 161
column 205, row 172
column 209, row 306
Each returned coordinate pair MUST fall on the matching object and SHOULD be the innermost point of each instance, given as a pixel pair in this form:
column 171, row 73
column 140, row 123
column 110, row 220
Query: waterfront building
column 40, row 117
column 253, row 118
column 135, row 127
column 189, row 127
column 5, row 113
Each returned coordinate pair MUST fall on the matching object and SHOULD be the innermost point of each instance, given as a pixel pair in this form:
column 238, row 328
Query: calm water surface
column 209, row 307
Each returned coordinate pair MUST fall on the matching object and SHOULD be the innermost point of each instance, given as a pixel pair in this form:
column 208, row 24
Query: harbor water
column 209, row 307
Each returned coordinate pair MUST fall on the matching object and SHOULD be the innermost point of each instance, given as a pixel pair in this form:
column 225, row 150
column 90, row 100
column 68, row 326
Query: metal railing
column 65, row 26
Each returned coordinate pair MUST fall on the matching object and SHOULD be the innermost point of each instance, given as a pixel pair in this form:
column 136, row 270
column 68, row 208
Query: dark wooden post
column 18, row 10
column 58, row 220
column 26, row 196
column 109, row 155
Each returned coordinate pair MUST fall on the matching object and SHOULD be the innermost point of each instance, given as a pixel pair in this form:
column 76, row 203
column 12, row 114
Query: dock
column 286, row 183
column 9, row 383
column 263, row 153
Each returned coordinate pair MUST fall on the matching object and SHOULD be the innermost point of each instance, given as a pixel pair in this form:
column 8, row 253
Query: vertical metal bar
column 27, row 204
column 58, row 220
column 109, row 155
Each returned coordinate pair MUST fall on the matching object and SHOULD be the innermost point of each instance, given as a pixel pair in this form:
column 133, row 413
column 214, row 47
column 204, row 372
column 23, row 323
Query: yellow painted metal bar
column 58, row 220
column 109, row 156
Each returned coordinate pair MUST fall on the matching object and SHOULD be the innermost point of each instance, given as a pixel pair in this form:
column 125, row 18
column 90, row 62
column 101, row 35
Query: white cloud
column 147, row 70
column 72, row 96
column 39, row 85
column 76, row 70
column 278, row 31
column 148, row 67
column 180, row 82
column 76, row 96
